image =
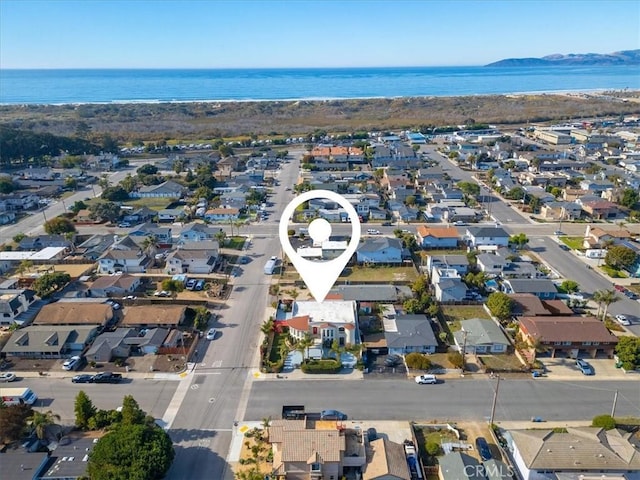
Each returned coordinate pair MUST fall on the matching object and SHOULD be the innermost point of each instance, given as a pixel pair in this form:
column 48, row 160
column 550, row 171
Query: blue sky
column 297, row 33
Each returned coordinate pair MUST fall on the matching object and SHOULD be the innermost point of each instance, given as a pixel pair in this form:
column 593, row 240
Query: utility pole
column 495, row 401
column 615, row 401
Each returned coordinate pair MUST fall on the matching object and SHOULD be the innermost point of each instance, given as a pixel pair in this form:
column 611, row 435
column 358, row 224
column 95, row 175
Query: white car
column 7, row 377
column 426, row 379
column 211, row 334
column 622, row 320
column 371, row 231
column 72, row 364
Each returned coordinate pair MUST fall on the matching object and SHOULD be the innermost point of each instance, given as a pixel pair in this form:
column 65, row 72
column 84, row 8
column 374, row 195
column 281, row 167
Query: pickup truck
column 107, row 377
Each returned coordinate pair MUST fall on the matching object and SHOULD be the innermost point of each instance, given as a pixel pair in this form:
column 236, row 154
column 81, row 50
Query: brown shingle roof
column 388, row 459
column 152, row 314
column 567, row 329
column 74, row 313
column 528, row 304
column 121, row 281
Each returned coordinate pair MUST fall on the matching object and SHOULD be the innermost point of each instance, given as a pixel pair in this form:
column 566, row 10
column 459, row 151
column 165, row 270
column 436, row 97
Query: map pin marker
column 319, row 276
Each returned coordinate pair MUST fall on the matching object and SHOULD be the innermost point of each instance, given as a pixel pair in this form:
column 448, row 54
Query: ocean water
column 185, row 85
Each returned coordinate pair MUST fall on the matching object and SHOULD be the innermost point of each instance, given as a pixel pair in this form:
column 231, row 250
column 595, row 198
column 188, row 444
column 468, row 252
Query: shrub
column 433, row 448
column 455, row 359
column 418, row 361
column 321, row 366
column 604, row 421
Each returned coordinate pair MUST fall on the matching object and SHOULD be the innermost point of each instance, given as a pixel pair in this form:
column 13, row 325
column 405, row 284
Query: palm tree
column 150, row 245
column 24, row 266
column 221, row 235
column 39, row 422
column 608, row 297
column 304, row 344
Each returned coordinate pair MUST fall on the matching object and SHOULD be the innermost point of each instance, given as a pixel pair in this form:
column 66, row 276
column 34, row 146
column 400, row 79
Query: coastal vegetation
column 98, row 126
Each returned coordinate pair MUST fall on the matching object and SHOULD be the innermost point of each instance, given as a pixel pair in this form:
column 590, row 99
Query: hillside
column 625, row 57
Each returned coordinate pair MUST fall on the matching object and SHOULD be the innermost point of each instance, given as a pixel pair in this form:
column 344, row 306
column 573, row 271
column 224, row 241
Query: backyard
column 379, row 274
column 454, row 314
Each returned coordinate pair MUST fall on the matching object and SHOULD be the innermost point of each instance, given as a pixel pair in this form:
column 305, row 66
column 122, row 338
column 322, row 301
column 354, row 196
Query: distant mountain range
column 626, row 57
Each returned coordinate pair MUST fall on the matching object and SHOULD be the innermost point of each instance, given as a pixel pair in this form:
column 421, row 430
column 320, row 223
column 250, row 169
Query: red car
column 619, row 288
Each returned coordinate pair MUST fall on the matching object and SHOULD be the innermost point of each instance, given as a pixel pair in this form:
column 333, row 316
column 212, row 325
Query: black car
column 82, row 379
column 393, row 360
column 107, row 377
column 483, row 449
column 564, row 247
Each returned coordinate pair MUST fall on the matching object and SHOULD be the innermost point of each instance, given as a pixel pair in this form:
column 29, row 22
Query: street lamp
column 495, row 401
column 464, row 347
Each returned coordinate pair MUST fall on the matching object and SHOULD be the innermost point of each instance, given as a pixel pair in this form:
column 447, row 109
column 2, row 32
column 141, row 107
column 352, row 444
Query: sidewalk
column 137, row 375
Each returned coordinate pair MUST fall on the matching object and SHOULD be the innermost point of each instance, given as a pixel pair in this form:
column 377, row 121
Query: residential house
column 226, row 167
column 372, row 294
column 594, row 453
column 110, row 345
column 114, row 285
column 459, row 214
column 302, row 453
column 561, row 210
column 236, row 199
column 597, row 237
column 65, row 462
column 492, row 263
column 325, row 322
column 382, row 156
column 163, row 234
column 7, row 217
column 410, row 333
column 568, row 336
column 541, row 287
column 388, row 461
column 437, row 237
column 85, row 216
column 459, row 466
column 13, row 302
column 601, row 209
column 380, row 250
column 221, row 214
column 450, row 289
column 190, row 261
column 493, row 237
column 95, row 246
column 480, row 336
column 143, row 214
column 128, row 261
column 596, row 185
column 528, row 305
column 198, row 232
column 168, row 189
column 49, row 341
column 172, row 214
column 75, row 313
column 22, row 464
column 539, row 193
column 19, row 201
column 169, row 316
column 459, row 263
column 44, row 241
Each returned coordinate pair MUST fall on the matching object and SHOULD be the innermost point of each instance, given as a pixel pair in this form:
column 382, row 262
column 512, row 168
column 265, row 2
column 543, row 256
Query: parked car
column 107, row 377
column 372, row 231
column 426, row 379
column 483, row 449
column 74, row 363
column 564, row 247
column 619, row 288
column 332, row 415
column 7, row 377
column 372, row 434
column 584, row 367
column 393, row 360
column 82, row 379
column 211, row 334
column 623, row 320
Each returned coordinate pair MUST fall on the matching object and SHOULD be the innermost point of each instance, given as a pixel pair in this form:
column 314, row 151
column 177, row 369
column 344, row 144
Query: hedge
column 321, row 366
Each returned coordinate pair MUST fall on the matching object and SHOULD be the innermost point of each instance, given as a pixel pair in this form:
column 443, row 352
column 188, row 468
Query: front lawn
column 235, row 243
column 150, row 202
column 574, row 243
column 501, row 363
column 613, row 272
column 456, row 313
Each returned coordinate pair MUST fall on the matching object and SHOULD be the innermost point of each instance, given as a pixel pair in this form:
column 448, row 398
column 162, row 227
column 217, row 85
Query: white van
column 18, row 396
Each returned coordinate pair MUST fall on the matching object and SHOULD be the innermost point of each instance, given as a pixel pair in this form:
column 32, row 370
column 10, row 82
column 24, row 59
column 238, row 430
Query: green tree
column 620, row 257
column 115, row 194
column 606, row 298
column 71, row 183
column 59, row 226
column 221, row 237
column 500, row 305
column 147, row 169
column 173, row 286
column 39, row 422
column 470, row 189
column 18, row 237
column 109, row 211
column 410, row 200
column 50, row 282
column 150, row 246
column 7, row 185
column 519, row 240
column 132, row 414
column 128, row 183
column 569, row 286
column 628, row 352
column 13, row 419
column 77, row 206
column 84, row 410
column 225, row 150
column 630, row 197
column 516, row 193
column 201, row 318
column 24, row 266
column 131, row 451
column 304, row 344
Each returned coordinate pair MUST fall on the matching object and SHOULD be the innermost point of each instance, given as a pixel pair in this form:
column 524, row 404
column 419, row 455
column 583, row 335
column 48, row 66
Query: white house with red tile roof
column 326, row 321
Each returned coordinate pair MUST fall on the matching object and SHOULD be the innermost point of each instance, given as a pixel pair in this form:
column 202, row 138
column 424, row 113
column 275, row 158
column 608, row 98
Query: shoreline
column 589, row 91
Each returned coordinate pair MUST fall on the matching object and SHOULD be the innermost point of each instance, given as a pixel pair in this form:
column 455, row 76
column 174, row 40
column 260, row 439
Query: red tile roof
column 299, row 323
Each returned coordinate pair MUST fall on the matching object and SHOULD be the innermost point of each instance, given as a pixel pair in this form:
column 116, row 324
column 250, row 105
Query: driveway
column 566, row 369
column 377, row 368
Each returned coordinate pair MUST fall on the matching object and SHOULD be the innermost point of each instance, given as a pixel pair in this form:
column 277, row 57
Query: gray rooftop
column 413, row 331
